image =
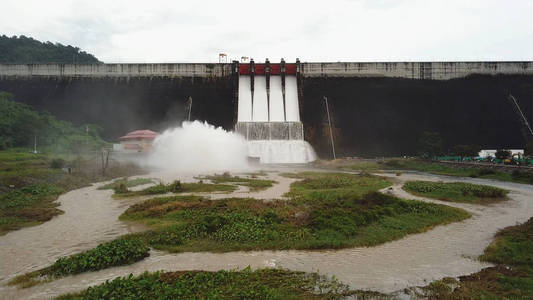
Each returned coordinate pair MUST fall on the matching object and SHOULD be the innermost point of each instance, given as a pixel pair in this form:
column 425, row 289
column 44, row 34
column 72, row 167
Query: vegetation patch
column 174, row 187
column 432, row 167
column 512, row 278
column 456, row 191
column 126, row 183
column 490, row 283
column 325, row 211
column 30, row 184
column 22, row 126
column 350, row 164
column 253, row 183
column 513, row 246
column 26, row 50
column 244, row 284
column 114, row 253
column 260, row 173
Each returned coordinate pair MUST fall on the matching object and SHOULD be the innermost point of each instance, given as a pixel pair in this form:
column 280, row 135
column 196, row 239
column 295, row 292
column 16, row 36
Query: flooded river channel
column 91, row 217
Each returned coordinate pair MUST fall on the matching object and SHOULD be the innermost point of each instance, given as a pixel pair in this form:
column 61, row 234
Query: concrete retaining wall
column 117, row 70
column 415, row 70
column 411, row 70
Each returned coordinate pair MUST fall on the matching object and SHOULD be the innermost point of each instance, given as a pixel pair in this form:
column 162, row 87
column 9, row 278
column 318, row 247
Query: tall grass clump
column 115, row 253
column 456, row 191
column 244, row 284
column 176, row 187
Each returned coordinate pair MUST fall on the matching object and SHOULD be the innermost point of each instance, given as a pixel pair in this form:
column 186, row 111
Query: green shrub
column 114, row 253
column 484, row 172
column 522, row 176
column 57, row 163
column 252, row 183
column 156, row 189
column 513, row 246
column 178, row 187
column 175, row 187
column 120, row 188
column 243, row 284
column 127, row 182
column 28, row 195
column 455, row 191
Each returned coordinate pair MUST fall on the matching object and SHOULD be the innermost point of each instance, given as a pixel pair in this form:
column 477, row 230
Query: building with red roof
column 138, row 141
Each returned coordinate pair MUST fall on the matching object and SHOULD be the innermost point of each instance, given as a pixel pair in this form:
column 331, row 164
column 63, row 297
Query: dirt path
column 448, row 250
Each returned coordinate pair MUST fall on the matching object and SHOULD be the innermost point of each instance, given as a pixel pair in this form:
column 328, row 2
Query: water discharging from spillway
column 269, row 119
column 198, row 147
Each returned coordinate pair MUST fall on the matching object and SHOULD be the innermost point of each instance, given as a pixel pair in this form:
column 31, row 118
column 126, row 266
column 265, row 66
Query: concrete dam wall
column 411, row 70
column 120, row 105
column 376, row 108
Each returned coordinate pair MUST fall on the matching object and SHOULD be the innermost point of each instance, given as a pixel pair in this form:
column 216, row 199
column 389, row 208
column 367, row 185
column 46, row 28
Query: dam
column 377, row 109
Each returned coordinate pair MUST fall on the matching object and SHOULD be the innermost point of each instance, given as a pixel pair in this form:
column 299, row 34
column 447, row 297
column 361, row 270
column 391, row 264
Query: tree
column 25, row 50
column 20, row 124
column 466, row 150
column 529, row 149
column 502, row 154
column 430, row 144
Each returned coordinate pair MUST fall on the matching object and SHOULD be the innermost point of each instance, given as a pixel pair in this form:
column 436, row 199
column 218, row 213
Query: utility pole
column 528, row 134
column 190, row 108
column 330, row 130
column 35, row 144
column 105, row 160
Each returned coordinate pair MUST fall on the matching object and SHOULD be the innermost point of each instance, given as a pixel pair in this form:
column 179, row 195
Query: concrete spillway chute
column 269, row 114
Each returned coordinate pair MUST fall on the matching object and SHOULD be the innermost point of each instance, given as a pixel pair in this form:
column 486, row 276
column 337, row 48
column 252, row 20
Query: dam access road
column 91, row 217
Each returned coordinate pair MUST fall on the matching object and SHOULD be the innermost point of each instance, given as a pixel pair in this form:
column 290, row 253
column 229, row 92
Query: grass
column 114, row 253
column 243, row 284
column 126, row 182
column 512, row 278
column 121, row 191
column 325, row 211
column 519, row 176
column 29, row 186
column 513, row 246
column 253, row 183
column 456, row 191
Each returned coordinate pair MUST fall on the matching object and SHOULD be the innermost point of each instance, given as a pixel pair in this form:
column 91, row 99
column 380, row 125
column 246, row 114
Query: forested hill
column 22, row 126
column 26, row 50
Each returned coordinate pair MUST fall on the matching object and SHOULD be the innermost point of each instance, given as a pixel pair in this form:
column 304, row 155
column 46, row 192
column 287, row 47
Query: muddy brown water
column 91, row 217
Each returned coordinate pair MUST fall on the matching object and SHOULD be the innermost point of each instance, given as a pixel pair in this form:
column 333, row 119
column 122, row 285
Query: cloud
column 334, row 30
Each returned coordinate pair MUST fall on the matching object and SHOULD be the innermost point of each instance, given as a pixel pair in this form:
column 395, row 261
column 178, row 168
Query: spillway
column 277, row 112
column 291, row 99
column 260, row 104
column 244, row 109
column 268, row 114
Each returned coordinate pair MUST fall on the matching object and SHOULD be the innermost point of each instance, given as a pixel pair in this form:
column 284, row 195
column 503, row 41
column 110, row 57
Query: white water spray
column 197, row 147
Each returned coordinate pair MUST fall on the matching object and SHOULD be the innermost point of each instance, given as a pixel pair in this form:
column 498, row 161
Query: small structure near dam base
column 137, row 141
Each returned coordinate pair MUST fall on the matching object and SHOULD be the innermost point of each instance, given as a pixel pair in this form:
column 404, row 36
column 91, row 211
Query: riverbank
column 323, row 211
column 450, row 250
column 518, row 175
column 511, row 278
column 30, row 184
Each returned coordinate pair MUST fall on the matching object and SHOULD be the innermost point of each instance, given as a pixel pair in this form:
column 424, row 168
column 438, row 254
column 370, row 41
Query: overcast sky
column 327, row 30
